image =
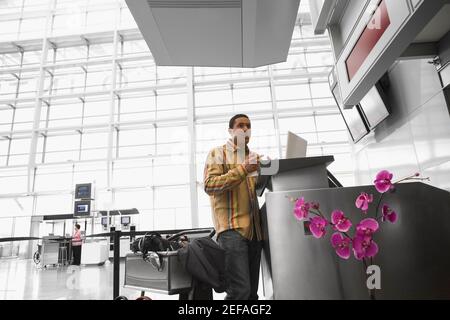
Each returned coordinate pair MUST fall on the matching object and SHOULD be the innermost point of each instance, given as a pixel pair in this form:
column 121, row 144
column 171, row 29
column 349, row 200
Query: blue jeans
column 242, row 261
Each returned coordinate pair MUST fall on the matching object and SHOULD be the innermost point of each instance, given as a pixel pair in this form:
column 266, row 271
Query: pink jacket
column 76, row 238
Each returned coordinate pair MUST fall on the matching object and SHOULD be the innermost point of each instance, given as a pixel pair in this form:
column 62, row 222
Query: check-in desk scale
column 53, row 251
column 171, row 278
column 413, row 252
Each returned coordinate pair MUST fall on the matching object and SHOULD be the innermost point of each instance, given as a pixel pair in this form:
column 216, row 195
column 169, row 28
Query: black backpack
column 153, row 241
column 204, row 259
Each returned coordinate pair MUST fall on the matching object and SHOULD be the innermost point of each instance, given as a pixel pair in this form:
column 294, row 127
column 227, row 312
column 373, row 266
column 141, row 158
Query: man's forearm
column 216, row 184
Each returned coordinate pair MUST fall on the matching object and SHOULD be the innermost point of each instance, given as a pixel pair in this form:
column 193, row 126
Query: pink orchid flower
column 364, row 247
column 363, row 200
column 388, row 214
column 317, row 227
column 315, row 205
column 383, row 181
column 367, row 227
column 341, row 244
column 340, row 221
column 301, row 209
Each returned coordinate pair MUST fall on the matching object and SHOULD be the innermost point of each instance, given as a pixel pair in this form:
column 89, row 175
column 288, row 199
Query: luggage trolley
column 171, row 278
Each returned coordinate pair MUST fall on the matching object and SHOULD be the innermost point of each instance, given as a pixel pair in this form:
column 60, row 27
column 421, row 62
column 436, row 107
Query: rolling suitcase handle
column 187, row 232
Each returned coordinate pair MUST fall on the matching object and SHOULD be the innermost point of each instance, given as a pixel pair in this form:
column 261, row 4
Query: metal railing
column 116, row 235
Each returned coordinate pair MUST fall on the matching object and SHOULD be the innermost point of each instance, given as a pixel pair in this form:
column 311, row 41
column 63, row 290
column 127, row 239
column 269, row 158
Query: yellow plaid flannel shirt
column 232, row 192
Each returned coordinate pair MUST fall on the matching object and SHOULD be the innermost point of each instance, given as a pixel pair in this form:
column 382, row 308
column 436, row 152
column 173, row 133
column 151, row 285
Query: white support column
column 38, row 99
column 36, row 120
column 275, row 111
column 192, row 146
column 112, row 106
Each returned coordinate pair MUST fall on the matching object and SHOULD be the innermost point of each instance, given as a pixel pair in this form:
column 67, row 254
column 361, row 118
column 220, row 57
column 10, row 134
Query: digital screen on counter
column 125, row 220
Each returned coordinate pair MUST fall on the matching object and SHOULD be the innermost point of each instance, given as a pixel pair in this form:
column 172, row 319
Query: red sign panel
column 369, row 38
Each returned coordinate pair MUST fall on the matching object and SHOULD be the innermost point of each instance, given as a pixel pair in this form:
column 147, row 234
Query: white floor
column 22, row 280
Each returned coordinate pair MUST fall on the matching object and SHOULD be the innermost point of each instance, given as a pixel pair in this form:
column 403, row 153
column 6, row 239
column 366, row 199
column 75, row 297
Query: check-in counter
column 124, row 247
column 6, row 250
column 412, row 252
column 95, row 252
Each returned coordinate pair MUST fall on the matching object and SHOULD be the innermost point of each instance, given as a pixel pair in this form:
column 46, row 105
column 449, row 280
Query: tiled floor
column 21, row 279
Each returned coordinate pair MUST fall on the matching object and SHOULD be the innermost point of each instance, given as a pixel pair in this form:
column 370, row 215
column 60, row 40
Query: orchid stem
column 406, row 178
column 317, row 213
column 378, row 206
column 413, row 177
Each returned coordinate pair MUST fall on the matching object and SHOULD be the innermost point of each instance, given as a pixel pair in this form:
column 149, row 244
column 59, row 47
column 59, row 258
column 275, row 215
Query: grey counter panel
column 414, row 254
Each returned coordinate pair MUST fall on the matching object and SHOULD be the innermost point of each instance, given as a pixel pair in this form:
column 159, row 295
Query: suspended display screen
column 374, row 107
column 83, row 191
column 369, row 38
column 82, row 209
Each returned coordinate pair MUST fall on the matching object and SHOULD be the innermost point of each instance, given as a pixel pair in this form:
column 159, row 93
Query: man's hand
column 252, row 163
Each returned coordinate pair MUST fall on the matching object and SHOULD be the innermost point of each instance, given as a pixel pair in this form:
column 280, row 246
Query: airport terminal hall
column 234, row 150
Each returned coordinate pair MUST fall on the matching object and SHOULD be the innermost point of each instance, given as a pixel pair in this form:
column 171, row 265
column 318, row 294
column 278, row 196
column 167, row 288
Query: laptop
column 296, row 146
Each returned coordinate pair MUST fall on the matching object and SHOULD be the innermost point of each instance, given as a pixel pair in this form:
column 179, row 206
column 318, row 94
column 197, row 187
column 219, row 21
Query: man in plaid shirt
column 230, row 177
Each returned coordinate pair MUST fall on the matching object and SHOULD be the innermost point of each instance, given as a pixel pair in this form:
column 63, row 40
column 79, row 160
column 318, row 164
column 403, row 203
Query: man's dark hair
column 231, row 124
column 77, row 226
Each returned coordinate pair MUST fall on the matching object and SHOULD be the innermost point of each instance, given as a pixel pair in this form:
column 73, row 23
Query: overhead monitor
column 83, row 191
column 373, row 107
column 82, row 208
column 353, row 117
column 296, row 146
